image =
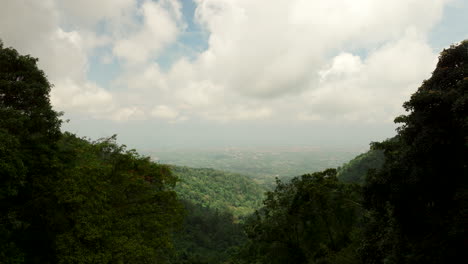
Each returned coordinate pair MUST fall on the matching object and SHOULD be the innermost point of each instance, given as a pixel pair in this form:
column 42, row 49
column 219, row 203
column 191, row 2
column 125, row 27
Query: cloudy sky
column 233, row 72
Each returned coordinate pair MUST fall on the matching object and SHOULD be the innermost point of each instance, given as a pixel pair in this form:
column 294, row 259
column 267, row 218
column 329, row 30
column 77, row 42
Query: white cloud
column 90, row 12
column 63, row 55
column 164, row 112
column 160, row 28
column 343, row 65
column 86, row 97
column 259, row 52
column 265, row 60
column 373, row 89
column 128, row 113
column 297, row 58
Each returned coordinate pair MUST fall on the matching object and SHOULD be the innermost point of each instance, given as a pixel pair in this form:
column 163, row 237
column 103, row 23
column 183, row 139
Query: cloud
column 311, row 61
column 343, row 65
column 264, row 54
column 298, row 59
column 63, row 55
column 128, row 113
column 164, row 112
column 372, row 89
column 86, row 97
column 90, row 12
column 161, row 25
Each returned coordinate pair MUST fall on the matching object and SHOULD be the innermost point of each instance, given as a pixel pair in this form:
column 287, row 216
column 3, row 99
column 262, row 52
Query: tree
column 115, row 205
column 208, row 236
column 29, row 130
column 67, row 200
column 312, row 219
column 419, row 198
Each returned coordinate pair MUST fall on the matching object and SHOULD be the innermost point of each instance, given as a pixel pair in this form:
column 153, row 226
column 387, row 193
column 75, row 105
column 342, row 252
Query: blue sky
column 232, row 73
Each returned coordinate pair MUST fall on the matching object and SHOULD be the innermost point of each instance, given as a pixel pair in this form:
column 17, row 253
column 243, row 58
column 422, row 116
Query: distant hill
column 356, row 169
column 235, row 193
column 261, row 164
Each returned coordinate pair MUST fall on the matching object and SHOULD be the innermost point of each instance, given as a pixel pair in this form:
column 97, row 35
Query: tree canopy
column 64, row 199
column 29, row 131
column 232, row 192
column 309, row 220
column 419, row 197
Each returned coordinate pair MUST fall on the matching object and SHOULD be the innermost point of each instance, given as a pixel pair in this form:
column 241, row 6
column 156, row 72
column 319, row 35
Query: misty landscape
column 233, row 132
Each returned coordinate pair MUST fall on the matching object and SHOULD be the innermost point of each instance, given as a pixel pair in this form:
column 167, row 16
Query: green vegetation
column 220, row 190
column 29, row 131
column 418, row 200
column 65, row 199
column 208, row 236
column 312, row 219
column 356, row 169
column 115, row 206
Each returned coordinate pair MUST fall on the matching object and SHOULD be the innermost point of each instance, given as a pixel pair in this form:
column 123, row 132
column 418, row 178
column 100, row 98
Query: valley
column 263, row 165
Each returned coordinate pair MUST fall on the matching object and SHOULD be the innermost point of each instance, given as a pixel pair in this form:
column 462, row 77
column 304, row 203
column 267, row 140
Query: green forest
column 65, row 198
column 219, row 190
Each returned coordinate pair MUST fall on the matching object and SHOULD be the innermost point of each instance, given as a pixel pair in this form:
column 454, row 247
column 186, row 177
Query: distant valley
column 262, row 164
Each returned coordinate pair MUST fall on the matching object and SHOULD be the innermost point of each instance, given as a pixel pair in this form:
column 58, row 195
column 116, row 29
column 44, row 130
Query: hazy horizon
column 195, row 136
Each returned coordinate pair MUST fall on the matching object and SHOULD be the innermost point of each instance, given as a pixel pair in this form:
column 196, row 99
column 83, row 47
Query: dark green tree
column 208, row 236
column 115, row 206
column 312, row 219
column 418, row 200
column 29, row 130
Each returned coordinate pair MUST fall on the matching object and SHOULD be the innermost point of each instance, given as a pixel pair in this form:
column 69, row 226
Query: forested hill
column 221, row 190
column 356, row 169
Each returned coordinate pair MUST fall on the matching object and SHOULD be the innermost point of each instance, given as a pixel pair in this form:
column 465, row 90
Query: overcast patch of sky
column 452, row 28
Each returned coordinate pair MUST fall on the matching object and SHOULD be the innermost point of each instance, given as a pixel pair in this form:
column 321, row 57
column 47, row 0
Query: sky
column 217, row 73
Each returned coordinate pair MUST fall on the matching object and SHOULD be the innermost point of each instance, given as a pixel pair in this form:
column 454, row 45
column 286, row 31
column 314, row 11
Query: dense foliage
column 208, row 236
column 115, row 206
column 221, row 190
column 356, row 169
column 68, row 200
column 312, row 219
column 29, row 130
column 419, row 198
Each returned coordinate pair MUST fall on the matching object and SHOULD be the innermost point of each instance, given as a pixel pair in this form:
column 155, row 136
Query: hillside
column 216, row 189
column 207, row 236
column 356, row 169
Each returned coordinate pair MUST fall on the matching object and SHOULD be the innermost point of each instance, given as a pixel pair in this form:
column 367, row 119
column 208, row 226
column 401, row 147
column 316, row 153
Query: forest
column 71, row 199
